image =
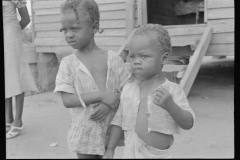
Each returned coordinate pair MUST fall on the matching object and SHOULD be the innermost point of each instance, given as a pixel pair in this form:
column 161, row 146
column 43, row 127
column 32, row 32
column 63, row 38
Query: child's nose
column 69, row 34
column 137, row 61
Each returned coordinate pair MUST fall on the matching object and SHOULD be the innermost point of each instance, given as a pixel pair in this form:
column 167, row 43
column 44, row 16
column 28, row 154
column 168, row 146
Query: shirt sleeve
column 124, row 74
column 118, row 117
column 19, row 3
column 64, row 78
column 180, row 99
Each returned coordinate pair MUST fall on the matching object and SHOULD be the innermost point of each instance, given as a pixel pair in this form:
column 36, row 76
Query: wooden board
column 57, row 3
column 61, row 41
column 195, row 61
column 220, row 3
column 49, row 11
column 185, row 40
column 47, row 4
column 221, row 49
column 220, row 13
column 219, row 22
column 57, row 26
column 130, row 16
column 193, row 30
column 106, row 32
column 222, row 38
column 142, row 12
column 213, row 49
column 112, row 6
column 54, row 16
column 69, row 49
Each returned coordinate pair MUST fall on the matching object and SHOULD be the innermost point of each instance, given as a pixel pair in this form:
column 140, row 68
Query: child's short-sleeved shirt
column 86, row 136
column 159, row 119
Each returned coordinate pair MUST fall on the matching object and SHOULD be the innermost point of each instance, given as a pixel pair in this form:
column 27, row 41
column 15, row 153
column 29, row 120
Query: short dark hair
column 164, row 40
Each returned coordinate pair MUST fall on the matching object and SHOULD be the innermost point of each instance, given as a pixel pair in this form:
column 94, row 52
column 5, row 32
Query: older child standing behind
column 88, row 80
column 152, row 109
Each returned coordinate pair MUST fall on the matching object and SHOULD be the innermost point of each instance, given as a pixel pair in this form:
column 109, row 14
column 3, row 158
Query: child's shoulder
column 68, row 58
column 115, row 59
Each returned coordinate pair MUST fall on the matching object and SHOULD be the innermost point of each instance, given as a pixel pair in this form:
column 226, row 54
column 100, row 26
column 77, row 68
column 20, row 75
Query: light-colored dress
column 18, row 77
column 86, row 136
column 159, row 120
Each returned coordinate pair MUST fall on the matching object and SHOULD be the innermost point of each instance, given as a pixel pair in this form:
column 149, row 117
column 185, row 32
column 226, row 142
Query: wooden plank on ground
column 220, row 3
column 195, row 61
column 220, row 13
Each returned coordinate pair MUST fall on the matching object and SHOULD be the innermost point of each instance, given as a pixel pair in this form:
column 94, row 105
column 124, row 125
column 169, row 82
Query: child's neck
column 148, row 85
column 88, row 49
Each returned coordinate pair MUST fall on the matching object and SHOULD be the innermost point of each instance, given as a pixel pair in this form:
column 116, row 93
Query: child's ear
column 95, row 27
column 165, row 58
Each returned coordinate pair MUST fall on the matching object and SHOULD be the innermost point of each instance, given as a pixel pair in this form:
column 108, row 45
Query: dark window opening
column 175, row 12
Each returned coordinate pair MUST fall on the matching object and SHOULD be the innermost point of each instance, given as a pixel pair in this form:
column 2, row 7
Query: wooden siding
column 47, row 25
column 220, row 16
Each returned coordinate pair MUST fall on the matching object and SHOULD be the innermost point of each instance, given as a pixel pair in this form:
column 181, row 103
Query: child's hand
column 108, row 154
column 111, row 99
column 100, row 113
column 163, row 98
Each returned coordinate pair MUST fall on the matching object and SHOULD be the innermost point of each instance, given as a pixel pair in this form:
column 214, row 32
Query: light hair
column 89, row 7
column 164, row 40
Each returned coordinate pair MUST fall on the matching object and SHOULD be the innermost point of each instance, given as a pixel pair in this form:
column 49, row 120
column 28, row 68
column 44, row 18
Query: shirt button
column 138, row 102
column 149, row 129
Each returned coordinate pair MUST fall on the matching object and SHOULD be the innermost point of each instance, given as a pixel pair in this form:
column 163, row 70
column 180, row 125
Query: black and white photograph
column 119, row 79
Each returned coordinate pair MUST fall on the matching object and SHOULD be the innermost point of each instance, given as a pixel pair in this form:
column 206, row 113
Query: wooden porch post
column 142, row 12
column 130, row 16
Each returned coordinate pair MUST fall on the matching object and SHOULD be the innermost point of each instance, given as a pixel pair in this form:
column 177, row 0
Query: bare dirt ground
column 46, row 120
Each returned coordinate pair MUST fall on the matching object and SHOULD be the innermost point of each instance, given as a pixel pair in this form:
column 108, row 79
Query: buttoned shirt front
column 159, row 120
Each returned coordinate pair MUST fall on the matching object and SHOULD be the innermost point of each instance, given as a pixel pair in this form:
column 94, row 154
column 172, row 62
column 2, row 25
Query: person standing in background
column 18, row 78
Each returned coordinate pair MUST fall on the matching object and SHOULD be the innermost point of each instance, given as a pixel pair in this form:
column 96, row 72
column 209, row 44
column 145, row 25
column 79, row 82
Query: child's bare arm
column 165, row 100
column 115, row 135
column 72, row 100
column 25, row 19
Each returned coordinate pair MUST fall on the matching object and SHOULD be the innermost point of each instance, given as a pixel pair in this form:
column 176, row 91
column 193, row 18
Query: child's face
column 145, row 57
column 77, row 35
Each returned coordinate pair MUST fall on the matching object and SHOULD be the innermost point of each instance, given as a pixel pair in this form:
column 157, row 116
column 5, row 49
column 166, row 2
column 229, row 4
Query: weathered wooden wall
column 47, row 25
column 220, row 15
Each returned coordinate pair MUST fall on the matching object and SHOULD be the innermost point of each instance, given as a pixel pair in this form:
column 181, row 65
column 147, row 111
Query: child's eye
column 144, row 56
column 75, row 29
column 131, row 56
column 64, row 30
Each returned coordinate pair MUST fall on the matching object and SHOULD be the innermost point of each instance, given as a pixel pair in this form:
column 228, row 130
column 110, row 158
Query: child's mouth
column 71, row 43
